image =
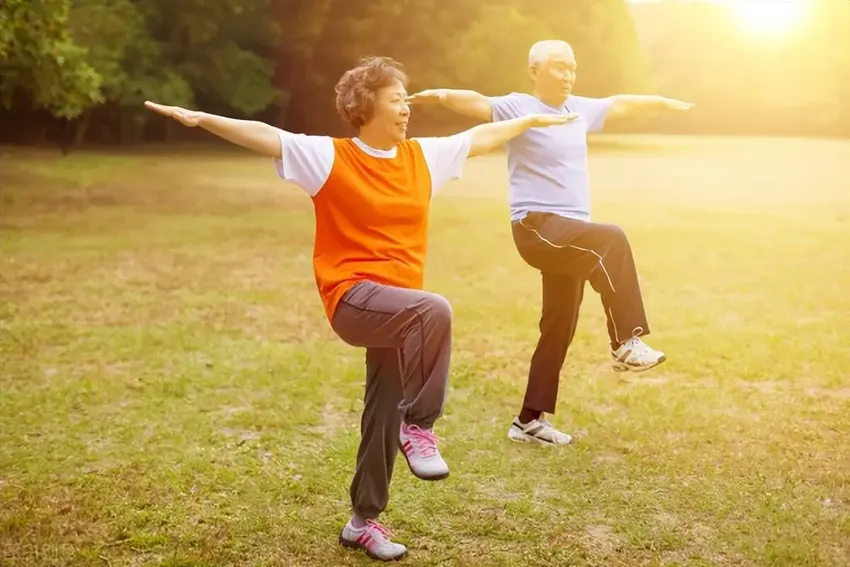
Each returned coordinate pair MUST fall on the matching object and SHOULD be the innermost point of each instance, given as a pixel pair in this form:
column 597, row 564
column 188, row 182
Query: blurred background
column 75, row 72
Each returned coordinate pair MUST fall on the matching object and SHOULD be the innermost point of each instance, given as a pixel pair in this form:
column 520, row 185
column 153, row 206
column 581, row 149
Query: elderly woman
column 371, row 196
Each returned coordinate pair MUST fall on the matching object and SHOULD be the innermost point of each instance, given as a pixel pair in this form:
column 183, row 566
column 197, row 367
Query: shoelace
column 373, row 534
column 637, row 346
column 424, row 440
column 552, row 431
column 373, row 525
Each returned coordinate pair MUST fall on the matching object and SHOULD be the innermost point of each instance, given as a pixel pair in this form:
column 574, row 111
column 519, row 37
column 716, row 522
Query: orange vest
column 371, row 221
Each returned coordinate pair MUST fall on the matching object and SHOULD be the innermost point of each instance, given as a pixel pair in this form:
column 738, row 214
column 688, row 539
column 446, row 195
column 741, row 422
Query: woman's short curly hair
column 358, row 87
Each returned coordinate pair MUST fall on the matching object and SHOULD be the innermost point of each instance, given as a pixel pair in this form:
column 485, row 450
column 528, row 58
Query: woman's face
column 391, row 111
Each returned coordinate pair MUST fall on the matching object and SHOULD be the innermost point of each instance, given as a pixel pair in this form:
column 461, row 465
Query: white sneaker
column 374, row 539
column 419, row 447
column 636, row 356
column 537, row 431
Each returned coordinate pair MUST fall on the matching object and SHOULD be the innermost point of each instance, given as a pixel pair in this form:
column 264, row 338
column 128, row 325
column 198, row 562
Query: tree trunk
column 64, row 137
column 170, row 130
column 299, row 59
column 81, row 128
column 126, row 128
column 41, row 133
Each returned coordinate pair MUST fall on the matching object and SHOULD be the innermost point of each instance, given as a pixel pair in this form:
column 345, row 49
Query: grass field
column 172, row 395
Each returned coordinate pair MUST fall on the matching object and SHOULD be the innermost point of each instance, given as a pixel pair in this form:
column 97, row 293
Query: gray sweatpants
column 408, row 338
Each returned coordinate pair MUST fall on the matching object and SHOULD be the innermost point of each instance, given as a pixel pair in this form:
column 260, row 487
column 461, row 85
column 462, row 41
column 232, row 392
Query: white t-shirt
column 307, row 160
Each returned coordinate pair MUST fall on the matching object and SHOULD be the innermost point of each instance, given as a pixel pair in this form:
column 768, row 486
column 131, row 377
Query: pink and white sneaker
column 419, row 447
column 374, row 539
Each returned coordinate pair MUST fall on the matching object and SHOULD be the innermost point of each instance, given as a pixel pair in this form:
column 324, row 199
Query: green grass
column 171, row 393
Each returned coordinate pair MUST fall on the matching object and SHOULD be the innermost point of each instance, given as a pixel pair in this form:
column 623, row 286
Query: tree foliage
column 96, row 61
column 38, row 55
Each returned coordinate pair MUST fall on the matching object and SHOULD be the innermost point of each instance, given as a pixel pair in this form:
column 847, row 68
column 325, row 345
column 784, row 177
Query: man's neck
column 556, row 102
column 378, row 141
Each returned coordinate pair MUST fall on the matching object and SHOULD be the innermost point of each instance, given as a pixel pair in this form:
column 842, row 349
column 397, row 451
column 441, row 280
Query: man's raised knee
column 616, row 236
column 614, row 232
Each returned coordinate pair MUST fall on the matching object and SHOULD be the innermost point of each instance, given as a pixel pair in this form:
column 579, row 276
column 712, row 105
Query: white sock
column 357, row 523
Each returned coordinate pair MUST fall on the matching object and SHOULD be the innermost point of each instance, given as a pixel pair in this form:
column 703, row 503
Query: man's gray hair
column 541, row 50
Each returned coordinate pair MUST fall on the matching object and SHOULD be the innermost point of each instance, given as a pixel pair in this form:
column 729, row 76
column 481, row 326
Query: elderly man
column 550, row 214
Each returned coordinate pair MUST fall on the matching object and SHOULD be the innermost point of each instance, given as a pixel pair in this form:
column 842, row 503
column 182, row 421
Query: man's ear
column 533, row 70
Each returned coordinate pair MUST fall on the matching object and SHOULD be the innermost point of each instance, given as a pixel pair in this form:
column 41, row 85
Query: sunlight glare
column 770, row 17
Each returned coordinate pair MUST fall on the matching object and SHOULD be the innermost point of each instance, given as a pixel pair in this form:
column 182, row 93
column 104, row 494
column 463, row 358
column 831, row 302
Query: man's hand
column 673, row 104
column 190, row 118
column 632, row 105
column 468, row 103
column 544, row 120
column 430, row 96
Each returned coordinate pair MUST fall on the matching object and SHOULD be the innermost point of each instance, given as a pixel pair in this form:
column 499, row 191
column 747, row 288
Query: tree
column 100, row 59
column 131, row 64
column 475, row 69
column 39, row 58
column 604, row 38
column 222, row 49
column 203, row 52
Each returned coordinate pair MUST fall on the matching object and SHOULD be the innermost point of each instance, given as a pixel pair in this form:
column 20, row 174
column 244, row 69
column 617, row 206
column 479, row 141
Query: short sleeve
column 506, row 107
column 592, row 110
column 445, row 157
column 305, row 160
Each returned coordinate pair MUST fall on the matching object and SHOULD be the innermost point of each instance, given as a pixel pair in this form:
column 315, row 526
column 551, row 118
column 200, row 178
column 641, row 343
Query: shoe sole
column 622, row 367
column 356, row 546
column 529, row 440
column 420, row 477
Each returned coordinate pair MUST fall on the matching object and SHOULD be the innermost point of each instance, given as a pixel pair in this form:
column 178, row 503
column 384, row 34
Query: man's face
column 391, row 112
column 554, row 77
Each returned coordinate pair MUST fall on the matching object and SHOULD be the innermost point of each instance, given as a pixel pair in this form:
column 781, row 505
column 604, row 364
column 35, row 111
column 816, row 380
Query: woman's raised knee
column 439, row 309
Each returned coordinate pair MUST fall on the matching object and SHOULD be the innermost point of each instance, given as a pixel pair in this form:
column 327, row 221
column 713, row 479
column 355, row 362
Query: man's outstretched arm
column 255, row 136
column 468, row 103
column 488, row 137
column 627, row 105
